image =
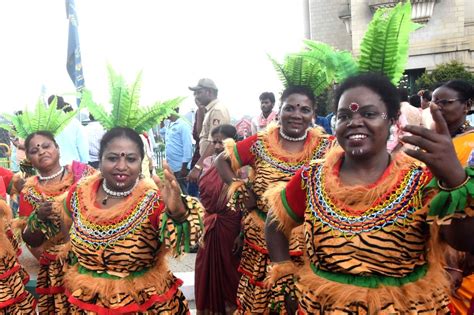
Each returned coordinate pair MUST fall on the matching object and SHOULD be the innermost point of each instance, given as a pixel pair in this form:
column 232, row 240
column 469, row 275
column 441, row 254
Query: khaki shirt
column 216, row 114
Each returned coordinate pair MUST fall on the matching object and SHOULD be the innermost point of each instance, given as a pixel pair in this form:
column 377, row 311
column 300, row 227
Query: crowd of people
column 366, row 211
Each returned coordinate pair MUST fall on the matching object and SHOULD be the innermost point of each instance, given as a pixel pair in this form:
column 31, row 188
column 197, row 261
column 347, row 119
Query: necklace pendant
column 104, row 201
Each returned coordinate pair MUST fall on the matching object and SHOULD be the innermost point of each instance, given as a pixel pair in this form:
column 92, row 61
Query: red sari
column 216, row 275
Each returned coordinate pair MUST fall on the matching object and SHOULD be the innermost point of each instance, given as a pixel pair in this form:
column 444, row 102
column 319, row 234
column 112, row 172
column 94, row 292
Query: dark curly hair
column 43, row 133
column 378, row 84
column 121, row 132
column 298, row 89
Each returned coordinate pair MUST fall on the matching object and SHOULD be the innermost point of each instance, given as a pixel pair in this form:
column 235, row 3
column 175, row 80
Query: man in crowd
column 94, row 131
column 179, row 149
column 267, row 102
column 72, row 140
column 205, row 94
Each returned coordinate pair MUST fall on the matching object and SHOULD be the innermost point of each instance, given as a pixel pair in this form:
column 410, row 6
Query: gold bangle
column 453, row 188
column 198, row 167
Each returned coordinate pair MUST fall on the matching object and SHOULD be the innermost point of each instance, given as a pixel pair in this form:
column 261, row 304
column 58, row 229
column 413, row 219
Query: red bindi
column 354, row 107
column 122, row 154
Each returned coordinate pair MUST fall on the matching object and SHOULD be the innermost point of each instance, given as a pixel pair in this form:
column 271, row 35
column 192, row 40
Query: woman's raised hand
column 436, row 149
column 170, row 192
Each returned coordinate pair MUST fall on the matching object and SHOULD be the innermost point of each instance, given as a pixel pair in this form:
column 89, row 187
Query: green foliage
column 384, row 48
column 44, row 117
column 444, row 72
column 126, row 110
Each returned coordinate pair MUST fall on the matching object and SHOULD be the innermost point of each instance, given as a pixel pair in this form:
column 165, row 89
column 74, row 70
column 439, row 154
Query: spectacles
column 443, row 103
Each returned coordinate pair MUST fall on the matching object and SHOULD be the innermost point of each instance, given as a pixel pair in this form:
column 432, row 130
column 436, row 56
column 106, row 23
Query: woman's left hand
column 436, row 149
column 170, row 192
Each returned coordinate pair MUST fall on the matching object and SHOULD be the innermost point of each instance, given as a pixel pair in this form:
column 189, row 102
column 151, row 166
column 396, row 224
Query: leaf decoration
column 384, row 48
column 126, row 110
column 44, row 117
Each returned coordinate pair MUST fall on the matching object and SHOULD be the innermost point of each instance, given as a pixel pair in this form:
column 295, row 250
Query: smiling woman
column 373, row 242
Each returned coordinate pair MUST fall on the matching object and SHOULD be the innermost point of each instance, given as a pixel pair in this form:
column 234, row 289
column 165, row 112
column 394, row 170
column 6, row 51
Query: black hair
column 403, row 94
column 298, row 89
column 61, row 104
column 121, row 132
column 463, row 88
column 377, row 83
column 427, row 95
column 415, row 100
column 91, row 117
column 228, row 131
column 43, row 133
column 267, row 96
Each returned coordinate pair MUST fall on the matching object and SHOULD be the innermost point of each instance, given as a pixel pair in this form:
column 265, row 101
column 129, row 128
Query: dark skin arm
column 277, row 242
column 37, row 238
column 438, row 153
column 195, row 172
column 227, row 174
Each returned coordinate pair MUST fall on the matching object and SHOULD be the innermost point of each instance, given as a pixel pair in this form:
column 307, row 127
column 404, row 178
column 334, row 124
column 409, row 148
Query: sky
column 174, row 43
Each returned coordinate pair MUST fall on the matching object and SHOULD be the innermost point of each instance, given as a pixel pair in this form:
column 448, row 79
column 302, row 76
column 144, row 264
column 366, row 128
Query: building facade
column 447, row 33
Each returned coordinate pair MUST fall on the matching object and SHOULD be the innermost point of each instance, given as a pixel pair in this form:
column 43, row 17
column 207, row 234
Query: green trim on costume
column 447, row 203
column 374, row 281
column 262, row 215
column 237, row 156
column 95, row 274
column 66, row 209
column 10, row 186
column 46, row 227
column 288, row 208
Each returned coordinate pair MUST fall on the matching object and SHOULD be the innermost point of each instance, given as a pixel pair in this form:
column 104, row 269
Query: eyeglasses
column 443, row 103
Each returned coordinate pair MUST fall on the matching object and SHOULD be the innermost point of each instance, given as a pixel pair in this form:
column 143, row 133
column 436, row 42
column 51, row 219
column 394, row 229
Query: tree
column 444, row 72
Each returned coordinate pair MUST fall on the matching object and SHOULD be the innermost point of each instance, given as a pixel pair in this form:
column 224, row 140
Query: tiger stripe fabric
column 118, row 263
column 272, row 165
column 369, row 250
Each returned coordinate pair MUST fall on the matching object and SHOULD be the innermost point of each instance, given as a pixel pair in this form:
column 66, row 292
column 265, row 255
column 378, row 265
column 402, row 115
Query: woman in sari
column 455, row 100
column 216, row 275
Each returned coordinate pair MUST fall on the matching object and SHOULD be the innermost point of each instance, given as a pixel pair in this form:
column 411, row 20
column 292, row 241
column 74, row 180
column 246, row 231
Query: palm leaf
column 97, row 110
column 152, row 115
column 384, row 48
column 280, row 71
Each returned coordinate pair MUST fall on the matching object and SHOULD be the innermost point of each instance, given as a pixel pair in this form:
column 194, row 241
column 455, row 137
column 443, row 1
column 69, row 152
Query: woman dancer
column 370, row 248
column 275, row 155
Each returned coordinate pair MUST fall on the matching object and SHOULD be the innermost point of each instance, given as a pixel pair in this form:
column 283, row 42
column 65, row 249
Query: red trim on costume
column 24, row 207
column 47, row 258
column 18, row 299
column 9, row 272
column 129, row 308
column 243, row 149
column 265, row 251
column 251, row 278
column 296, row 194
column 27, row 279
column 50, row 290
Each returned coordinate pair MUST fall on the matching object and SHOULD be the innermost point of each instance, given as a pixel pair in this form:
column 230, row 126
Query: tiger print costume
column 14, row 299
column 118, row 255
column 369, row 249
column 271, row 164
column 50, row 286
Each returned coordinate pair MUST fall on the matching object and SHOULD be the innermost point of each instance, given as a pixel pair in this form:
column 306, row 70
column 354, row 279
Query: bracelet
column 198, row 167
column 453, row 188
column 454, row 269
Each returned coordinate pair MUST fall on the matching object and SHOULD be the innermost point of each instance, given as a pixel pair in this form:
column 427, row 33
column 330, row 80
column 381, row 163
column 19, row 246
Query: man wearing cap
column 205, row 93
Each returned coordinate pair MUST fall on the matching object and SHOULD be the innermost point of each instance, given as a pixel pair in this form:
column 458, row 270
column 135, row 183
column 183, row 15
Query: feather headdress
column 44, row 117
column 384, row 49
column 126, row 111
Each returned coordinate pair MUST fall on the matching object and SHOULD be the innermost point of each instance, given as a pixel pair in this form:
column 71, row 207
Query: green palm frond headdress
column 384, row 49
column 126, row 111
column 44, row 117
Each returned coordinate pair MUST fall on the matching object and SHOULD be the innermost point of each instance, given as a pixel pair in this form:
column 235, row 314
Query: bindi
column 122, row 154
column 354, row 107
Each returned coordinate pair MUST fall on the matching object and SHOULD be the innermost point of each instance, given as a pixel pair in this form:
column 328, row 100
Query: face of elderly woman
column 121, row 163
column 296, row 115
column 362, row 126
column 43, row 153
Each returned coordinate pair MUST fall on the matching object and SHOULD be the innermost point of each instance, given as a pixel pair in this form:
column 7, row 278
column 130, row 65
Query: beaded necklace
column 403, row 199
column 61, row 170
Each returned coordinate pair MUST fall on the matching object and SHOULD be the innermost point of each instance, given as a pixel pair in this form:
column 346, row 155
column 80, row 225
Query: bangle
column 198, row 167
column 454, row 269
column 453, row 188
